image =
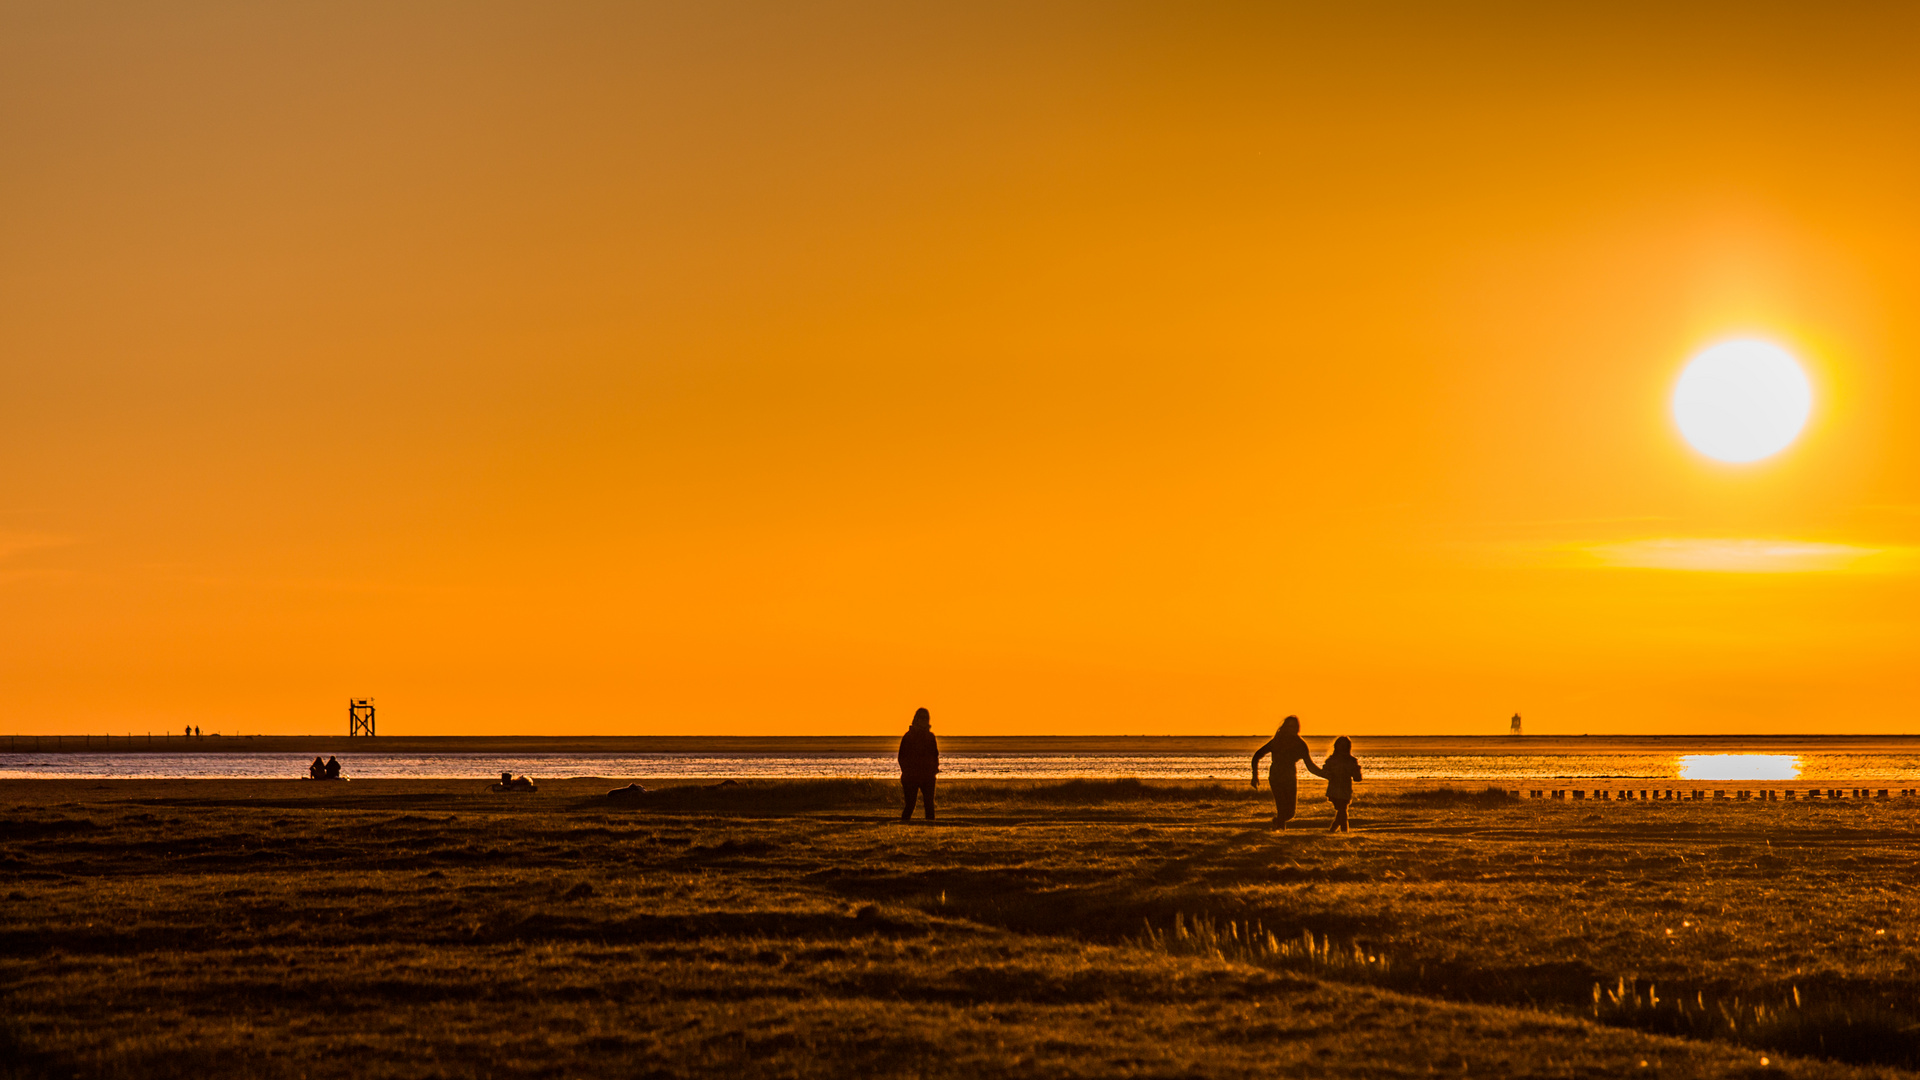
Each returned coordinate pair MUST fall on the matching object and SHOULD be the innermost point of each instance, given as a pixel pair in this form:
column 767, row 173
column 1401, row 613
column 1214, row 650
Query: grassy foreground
column 415, row 928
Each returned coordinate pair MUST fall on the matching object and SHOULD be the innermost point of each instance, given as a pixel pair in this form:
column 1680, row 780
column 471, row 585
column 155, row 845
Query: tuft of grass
column 1856, row 1029
column 1252, row 943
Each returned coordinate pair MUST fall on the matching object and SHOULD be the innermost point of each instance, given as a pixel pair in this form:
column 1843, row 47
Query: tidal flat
column 1084, row 928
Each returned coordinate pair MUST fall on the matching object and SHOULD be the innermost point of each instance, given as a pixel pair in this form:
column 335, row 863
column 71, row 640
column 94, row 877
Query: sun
column 1742, row 400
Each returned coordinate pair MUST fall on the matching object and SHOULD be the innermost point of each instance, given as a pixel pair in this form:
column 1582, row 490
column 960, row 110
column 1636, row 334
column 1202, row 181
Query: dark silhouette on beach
column 1342, row 771
column 508, row 782
column 333, row 768
column 317, row 770
column 919, row 761
column 1287, row 747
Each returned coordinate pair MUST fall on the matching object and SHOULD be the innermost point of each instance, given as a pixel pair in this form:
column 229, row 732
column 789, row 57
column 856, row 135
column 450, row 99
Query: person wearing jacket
column 919, row 761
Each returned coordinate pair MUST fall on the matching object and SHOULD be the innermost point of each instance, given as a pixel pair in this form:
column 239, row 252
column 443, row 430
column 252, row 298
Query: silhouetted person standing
column 919, row 761
column 1287, row 747
column 1341, row 769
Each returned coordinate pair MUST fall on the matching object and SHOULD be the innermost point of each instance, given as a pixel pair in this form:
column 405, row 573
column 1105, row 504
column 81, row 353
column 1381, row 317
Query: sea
column 1834, row 761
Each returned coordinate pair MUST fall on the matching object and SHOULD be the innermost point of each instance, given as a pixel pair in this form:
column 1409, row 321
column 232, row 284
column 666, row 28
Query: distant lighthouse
column 1515, row 729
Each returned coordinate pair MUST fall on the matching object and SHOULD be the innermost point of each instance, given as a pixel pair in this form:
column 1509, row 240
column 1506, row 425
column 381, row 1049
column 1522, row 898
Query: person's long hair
column 1289, row 726
column 922, row 719
column 1343, row 747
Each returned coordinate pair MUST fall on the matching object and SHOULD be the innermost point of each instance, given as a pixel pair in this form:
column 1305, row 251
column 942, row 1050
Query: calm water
column 1835, row 768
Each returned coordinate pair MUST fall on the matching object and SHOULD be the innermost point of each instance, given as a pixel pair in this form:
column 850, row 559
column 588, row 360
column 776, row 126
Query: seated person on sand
column 333, row 768
column 317, row 770
column 508, row 783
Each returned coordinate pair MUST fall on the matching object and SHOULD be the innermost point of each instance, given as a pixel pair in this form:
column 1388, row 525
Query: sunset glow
column 1739, row 767
column 633, row 368
column 1732, row 556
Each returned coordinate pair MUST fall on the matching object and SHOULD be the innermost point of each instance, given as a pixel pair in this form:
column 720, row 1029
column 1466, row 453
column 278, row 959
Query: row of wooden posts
column 32, row 743
column 1761, row 795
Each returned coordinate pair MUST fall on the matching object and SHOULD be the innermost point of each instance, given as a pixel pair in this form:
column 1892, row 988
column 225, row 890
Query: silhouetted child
column 1341, row 769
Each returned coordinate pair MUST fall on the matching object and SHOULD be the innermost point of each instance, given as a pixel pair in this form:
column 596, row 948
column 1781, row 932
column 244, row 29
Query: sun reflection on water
column 1739, row 767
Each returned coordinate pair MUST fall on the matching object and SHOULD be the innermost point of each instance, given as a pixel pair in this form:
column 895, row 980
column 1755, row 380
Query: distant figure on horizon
column 317, row 770
column 1342, row 771
column 196, row 731
column 189, row 733
column 1287, row 747
column 919, row 761
column 333, row 768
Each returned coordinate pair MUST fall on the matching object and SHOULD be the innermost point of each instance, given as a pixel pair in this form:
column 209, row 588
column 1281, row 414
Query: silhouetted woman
column 919, row 761
column 1287, row 747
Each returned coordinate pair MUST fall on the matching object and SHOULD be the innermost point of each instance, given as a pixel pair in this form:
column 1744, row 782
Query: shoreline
column 972, row 745
column 590, row 792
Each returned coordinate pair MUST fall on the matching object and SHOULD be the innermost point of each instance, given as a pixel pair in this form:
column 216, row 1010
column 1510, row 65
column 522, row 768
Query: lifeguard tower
column 1513, row 730
column 360, row 717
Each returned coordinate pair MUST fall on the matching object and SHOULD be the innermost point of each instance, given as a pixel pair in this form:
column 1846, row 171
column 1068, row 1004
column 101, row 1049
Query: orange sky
column 575, row 368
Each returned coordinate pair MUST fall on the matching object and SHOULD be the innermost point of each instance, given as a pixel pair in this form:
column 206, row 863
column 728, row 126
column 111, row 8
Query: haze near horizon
column 595, row 368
